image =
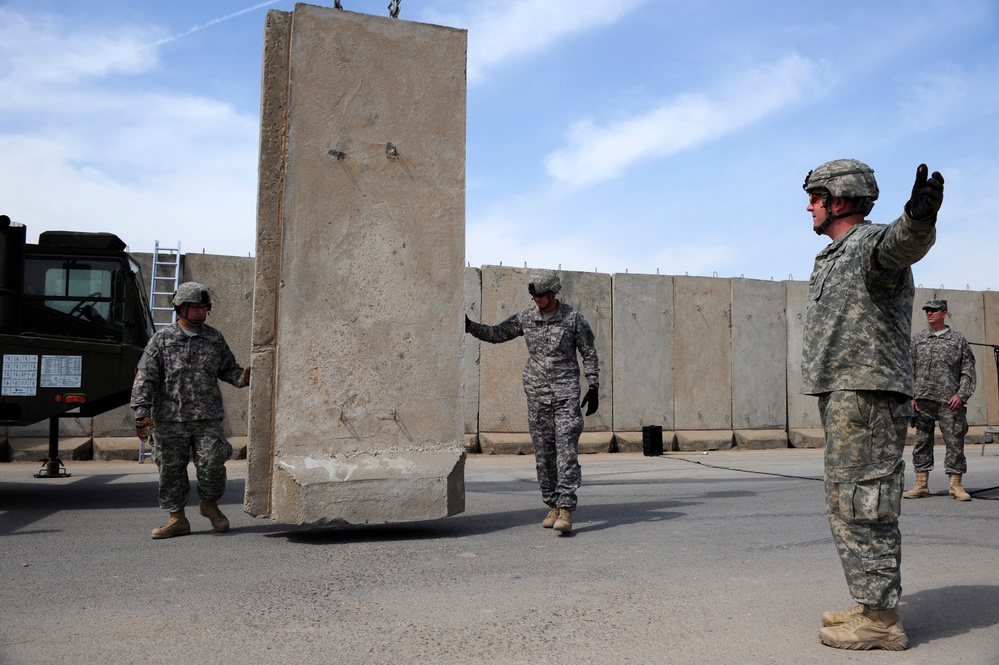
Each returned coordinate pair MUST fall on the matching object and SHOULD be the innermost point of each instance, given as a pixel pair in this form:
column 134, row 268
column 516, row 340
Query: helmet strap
column 831, row 216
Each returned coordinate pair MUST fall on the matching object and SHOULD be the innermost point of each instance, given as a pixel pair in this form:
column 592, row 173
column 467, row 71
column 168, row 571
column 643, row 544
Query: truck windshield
column 77, row 287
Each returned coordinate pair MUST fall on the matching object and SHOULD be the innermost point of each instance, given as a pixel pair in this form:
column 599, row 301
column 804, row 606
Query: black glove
column 468, row 323
column 592, row 399
column 927, row 195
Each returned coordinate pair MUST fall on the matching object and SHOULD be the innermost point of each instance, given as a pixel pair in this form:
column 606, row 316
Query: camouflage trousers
column 953, row 427
column 555, row 430
column 864, row 438
column 175, row 445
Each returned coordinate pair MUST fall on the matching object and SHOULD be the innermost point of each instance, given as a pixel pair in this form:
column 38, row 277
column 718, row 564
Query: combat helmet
column 845, row 178
column 192, row 292
column 543, row 281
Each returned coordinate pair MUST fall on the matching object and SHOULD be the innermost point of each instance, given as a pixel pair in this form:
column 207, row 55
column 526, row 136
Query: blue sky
column 638, row 135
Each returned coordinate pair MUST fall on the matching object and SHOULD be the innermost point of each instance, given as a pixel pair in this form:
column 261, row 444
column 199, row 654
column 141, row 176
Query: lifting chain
column 393, row 7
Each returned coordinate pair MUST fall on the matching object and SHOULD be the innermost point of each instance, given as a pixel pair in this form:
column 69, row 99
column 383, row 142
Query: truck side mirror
column 119, row 294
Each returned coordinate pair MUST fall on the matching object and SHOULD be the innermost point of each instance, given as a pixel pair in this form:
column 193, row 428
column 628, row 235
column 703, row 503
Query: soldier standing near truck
column 176, row 391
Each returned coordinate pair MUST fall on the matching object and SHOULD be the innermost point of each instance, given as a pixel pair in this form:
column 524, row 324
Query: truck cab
column 74, row 321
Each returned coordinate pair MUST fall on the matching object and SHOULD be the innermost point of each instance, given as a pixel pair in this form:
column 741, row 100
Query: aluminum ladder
column 164, row 282
column 166, row 277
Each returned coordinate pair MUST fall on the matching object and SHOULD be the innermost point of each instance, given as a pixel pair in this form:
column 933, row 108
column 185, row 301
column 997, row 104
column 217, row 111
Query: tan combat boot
column 549, row 521
column 921, row 488
column 870, row 629
column 210, row 509
column 564, row 521
column 177, row 525
column 836, row 617
column 956, row 491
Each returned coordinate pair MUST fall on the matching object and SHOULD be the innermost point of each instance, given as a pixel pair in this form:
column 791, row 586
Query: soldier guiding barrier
column 945, row 379
column 554, row 332
column 856, row 360
column 176, row 391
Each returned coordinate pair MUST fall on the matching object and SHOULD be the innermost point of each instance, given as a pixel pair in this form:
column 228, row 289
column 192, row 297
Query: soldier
column 176, row 390
column 856, row 360
column 554, row 332
column 945, row 379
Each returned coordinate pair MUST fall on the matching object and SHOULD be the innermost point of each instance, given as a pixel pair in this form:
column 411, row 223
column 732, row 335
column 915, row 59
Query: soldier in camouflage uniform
column 554, row 332
column 176, row 390
column 856, row 360
column 945, row 379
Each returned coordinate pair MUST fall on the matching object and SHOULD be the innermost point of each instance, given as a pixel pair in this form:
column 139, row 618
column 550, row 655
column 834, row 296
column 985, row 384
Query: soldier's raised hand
column 927, row 194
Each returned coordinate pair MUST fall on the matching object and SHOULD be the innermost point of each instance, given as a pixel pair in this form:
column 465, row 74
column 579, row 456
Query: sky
column 642, row 136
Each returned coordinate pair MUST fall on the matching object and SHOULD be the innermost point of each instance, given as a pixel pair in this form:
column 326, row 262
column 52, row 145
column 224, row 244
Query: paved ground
column 685, row 558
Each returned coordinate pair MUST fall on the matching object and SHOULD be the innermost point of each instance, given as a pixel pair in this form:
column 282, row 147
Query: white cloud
column 597, row 152
column 143, row 162
column 504, row 30
column 38, row 53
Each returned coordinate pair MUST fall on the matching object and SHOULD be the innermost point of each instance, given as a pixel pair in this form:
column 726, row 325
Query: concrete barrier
column 359, row 281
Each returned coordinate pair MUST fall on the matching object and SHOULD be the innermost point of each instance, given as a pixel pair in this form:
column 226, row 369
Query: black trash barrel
column 652, row 440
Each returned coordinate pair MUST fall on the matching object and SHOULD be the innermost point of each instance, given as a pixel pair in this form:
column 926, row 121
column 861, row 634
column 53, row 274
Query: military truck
column 74, row 320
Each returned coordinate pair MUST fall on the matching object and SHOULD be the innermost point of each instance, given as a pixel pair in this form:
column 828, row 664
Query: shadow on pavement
column 936, row 614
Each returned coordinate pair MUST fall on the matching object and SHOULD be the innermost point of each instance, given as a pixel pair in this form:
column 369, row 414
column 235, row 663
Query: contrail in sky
column 198, row 28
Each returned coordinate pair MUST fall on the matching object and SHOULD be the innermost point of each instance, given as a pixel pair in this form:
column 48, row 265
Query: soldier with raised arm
column 554, row 332
column 856, row 360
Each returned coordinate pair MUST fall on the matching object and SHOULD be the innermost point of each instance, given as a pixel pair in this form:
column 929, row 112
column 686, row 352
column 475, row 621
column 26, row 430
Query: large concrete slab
column 702, row 346
column 643, row 352
column 987, row 380
column 590, row 293
column 502, row 404
column 470, row 359
column 356, row 400
column 759, row 356
column 230, row 279
column 802, row 410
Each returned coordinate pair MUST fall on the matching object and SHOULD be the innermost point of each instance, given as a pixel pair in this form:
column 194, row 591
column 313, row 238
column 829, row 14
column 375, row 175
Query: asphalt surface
column 685, row 558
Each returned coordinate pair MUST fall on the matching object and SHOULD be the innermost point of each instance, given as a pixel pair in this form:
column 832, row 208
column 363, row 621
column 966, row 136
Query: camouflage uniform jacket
column 859, row 316
column 552, row 371
column 944, row 365
column 178, row 375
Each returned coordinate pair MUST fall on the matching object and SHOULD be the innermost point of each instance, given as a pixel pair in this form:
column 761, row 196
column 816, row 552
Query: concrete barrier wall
column 715, row 362
column 967, row 315
column 988, row 382
column 738, row 370
column 472, row 293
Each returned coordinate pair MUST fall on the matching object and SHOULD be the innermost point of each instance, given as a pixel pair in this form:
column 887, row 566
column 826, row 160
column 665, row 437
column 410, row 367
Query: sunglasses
column 814, row 198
